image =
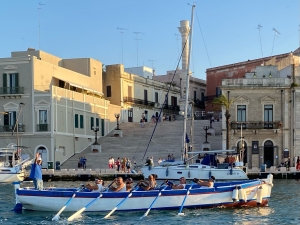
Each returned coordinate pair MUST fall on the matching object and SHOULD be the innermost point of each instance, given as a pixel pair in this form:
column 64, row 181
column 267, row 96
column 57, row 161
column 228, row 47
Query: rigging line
column 203, row 38
column 166, row 98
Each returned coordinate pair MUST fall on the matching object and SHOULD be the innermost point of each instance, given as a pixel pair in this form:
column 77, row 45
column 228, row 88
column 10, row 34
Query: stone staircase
column 167, row 139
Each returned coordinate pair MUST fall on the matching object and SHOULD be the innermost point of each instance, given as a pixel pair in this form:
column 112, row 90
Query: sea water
column 284, row 208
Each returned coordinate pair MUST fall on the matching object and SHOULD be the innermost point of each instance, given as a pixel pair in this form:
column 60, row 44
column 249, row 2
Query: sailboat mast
column 187, row 86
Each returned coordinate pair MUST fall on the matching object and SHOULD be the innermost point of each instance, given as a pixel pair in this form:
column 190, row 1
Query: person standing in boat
column 36, row 173
column 206, row 184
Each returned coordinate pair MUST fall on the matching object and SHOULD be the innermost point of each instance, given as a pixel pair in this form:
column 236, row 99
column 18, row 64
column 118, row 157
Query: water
column 283, row 209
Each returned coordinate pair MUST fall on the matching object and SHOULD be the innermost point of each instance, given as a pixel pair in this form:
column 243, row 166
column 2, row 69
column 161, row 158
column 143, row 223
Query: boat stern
column 18, row 207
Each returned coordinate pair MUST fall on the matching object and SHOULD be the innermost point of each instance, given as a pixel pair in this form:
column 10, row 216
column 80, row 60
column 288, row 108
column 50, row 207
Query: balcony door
column 9, row 121
column 268, row 116
column 241, row 116
column 130, row 115
column 10, row 83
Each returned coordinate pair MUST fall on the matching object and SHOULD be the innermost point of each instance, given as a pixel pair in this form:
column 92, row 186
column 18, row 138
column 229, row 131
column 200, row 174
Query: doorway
column 44, row 155
column 130, row 115
column 269, row 153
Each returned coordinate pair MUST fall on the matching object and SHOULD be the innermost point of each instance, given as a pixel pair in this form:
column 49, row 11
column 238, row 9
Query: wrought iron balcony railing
column 11, row 90
column 256, row 125
column 9, row 128
column 138, row 101
column 42, row 127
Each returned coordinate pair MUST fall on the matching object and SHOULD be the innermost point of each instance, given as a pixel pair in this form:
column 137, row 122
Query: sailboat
column 208, row 166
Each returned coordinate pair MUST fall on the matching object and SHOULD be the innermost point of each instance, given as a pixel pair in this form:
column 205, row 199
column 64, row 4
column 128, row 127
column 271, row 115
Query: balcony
column 9, row 128
column 42, row 127
column 11, row 91
column 257, row 82
column 138, row 101
column 256, row 125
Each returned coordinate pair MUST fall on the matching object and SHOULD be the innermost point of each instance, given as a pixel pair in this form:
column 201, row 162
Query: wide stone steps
column 167, row 139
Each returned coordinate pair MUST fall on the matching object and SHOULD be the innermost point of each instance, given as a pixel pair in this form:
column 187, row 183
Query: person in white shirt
column 206, row 184
column 97, row 187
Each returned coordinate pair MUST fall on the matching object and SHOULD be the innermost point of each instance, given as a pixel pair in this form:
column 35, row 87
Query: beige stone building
column 137, row 94
column 54, row 102
column 265, row 113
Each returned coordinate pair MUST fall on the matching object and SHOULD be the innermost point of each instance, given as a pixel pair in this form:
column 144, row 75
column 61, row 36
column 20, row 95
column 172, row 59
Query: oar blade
column 111, row 212
column 76, row 215
column 181, row 214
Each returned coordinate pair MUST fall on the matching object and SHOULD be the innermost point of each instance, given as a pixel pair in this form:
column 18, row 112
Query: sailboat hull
column 194, row 171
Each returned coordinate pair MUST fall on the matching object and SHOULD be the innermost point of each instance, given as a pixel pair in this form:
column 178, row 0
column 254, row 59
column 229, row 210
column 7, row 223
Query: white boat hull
column 55, row 199
column 8, row 175
column 194, row 171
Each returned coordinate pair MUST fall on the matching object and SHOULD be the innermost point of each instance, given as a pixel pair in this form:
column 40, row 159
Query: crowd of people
column 123, row 165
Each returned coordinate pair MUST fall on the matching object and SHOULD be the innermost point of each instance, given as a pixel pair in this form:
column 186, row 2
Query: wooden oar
column 56, row 217
column 148, row 210
column 114, row 209
column 77, row 214
column 181, row 207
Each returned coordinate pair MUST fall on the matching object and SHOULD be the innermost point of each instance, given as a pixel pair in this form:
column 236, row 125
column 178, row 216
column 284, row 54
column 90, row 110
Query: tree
column 226, row 103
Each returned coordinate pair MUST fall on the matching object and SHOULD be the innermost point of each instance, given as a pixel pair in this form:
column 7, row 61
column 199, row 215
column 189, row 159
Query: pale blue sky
column 88, row 28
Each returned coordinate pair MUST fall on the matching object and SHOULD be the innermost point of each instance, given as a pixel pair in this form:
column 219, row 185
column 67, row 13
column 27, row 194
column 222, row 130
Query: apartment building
column 265, row 114
column 50, row 105
column 137, row 95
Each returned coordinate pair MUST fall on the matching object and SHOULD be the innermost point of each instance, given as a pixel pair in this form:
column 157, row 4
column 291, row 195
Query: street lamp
column 95, row 129
column 206, row 127
column 117, row 115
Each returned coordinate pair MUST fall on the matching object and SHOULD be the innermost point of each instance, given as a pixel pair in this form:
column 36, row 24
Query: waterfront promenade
column 166, row 140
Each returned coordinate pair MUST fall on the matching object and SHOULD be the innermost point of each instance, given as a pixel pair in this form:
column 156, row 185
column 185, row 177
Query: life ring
column 7, row 164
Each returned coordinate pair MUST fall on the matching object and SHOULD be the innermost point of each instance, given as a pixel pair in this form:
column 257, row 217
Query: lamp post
column 117, row 115
column 95, row 129
column 206, row 127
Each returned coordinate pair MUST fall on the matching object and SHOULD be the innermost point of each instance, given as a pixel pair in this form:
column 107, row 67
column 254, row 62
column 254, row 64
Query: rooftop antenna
column 122, row 32
column 259, row 27
column 137, row 46
column 39, row 8
column 275, row 32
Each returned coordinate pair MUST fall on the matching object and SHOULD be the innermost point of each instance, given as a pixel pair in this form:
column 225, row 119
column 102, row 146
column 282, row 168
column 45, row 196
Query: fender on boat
column 259, row 195
column 167, row 171
column 18, row 207
column 189, row 174
column 241, row 194
column 235, row 194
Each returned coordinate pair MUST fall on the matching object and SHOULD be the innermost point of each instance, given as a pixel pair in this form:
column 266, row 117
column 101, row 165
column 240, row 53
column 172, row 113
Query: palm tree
column 225, row 102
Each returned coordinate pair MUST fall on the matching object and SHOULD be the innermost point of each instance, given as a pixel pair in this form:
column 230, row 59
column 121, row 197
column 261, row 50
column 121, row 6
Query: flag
column 187, row 140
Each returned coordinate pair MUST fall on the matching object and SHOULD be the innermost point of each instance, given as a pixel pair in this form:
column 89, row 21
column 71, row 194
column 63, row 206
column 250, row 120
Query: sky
column 144, row 32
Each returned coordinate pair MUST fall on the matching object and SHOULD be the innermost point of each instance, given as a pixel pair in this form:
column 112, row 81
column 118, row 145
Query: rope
column 166, row 100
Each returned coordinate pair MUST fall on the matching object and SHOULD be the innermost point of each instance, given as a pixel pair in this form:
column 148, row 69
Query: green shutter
column 4, row 80
column 81, row 121
column 97, row 122
column 92, row 122
column 76, row 120
column 17, row 80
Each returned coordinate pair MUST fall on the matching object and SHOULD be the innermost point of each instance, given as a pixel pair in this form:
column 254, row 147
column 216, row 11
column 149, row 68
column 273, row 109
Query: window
column 195, row 96
column 92, row 122
column 173, row 100
column 268, row 116
column 97, row 122
column 10, row 82
column 156, row 97
column 218, row 91
column 42, row 116
column 241, row 115
column 129, row 91
column 9, row 120
column 61, row 84
column 108, row 91
column 146, row 97
column 76, row 120
column 81, row 121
